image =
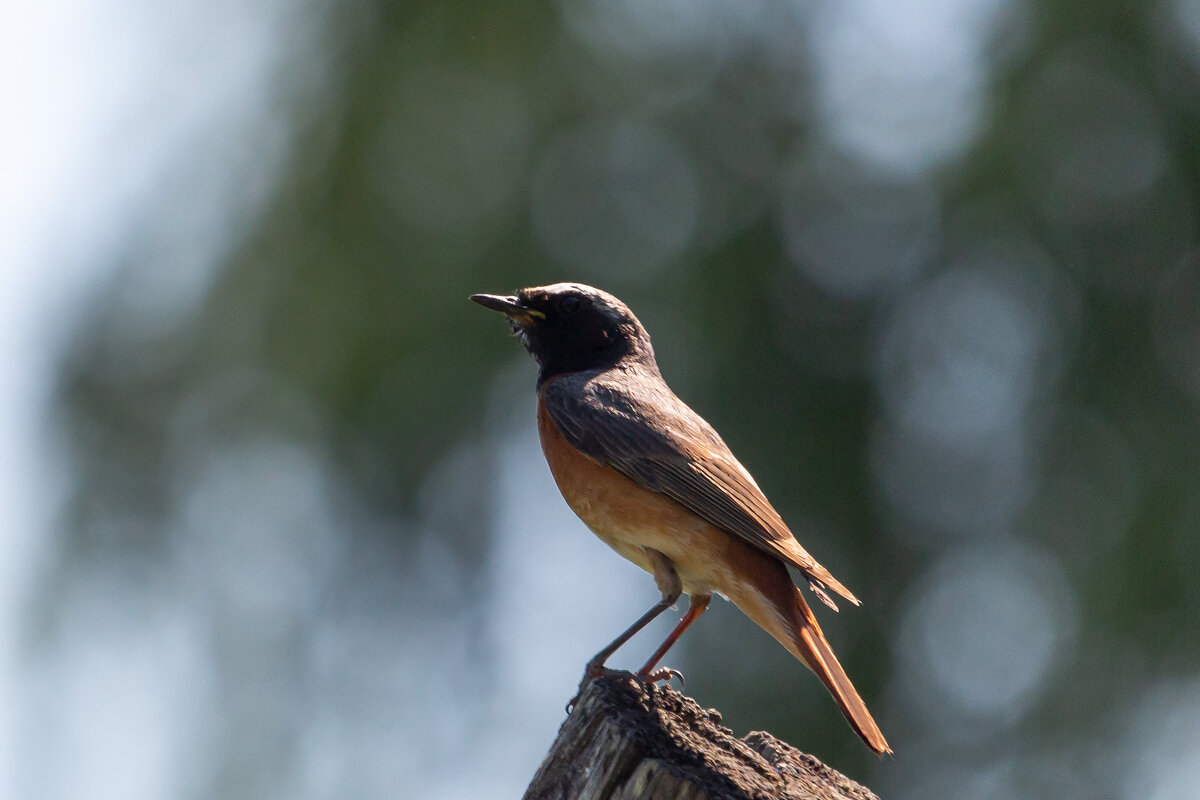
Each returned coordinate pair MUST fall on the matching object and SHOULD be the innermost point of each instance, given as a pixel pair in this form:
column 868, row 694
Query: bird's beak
column 509, row 307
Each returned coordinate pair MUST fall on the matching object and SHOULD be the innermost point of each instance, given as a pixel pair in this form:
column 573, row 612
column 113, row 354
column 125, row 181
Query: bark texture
column 626, row 741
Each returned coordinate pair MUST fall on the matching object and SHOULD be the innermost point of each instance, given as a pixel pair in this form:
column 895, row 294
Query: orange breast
column 629, row 518
column 619, row 511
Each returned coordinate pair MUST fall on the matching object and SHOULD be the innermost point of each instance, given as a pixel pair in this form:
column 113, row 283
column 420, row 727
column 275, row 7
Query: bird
column 652, row 479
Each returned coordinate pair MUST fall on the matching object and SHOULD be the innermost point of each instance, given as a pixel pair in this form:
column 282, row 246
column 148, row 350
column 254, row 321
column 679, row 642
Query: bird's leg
column 669, row 585
column 697, row 604
column 596, row 665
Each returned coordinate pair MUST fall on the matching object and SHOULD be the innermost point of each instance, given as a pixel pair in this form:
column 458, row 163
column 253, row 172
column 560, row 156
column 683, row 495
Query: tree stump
column 627, row 741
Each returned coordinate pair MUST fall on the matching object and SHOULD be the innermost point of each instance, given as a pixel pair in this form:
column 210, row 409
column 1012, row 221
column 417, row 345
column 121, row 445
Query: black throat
column 554, row 359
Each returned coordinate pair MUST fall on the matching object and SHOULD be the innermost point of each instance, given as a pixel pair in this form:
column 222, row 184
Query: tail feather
column 811, row 647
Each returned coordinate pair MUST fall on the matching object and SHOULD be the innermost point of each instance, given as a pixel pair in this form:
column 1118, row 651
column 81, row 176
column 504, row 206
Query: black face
column 570, row 327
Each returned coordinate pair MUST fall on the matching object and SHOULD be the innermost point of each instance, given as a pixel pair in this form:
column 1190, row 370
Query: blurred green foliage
column 340, row 319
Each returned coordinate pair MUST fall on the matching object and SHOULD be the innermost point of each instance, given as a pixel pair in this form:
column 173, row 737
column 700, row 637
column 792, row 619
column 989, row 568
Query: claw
column 664, row 674
column 594, row 669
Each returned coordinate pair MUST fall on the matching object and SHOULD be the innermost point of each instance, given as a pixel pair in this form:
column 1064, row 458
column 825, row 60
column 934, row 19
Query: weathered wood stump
column 626, row 741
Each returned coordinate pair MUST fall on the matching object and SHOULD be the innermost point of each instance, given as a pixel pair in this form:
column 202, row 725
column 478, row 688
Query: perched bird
column 652, row 479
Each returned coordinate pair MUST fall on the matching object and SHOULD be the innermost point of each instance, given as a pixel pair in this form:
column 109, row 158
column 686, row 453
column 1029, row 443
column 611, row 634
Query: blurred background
column 275, row 522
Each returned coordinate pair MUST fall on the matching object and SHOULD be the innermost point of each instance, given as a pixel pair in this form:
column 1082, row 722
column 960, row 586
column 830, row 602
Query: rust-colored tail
column 810, row 646
column 764, row 591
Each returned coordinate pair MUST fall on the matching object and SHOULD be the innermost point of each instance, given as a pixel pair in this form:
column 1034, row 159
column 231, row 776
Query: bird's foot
column 594, row 669
column 664, row 674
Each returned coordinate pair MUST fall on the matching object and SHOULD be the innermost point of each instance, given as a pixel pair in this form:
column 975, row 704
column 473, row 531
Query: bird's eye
column 569, row 304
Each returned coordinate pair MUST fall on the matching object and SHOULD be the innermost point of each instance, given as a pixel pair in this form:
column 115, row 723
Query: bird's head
column 570, row 327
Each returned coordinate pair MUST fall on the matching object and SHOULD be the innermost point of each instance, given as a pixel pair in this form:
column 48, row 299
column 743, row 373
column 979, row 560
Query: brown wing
column 641, row 429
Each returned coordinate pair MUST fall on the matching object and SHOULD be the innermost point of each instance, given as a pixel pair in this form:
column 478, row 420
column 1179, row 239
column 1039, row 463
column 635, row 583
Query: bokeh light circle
column 619, row 197
column 983, row 633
